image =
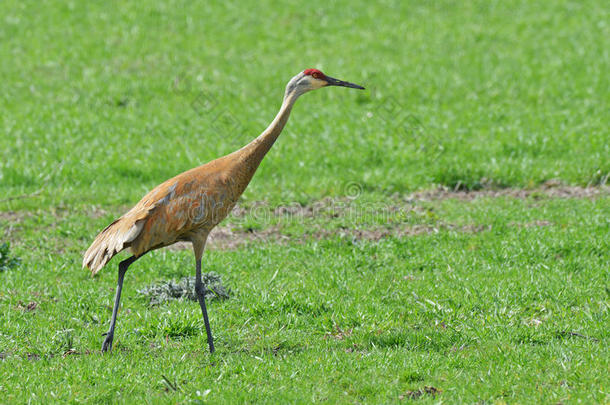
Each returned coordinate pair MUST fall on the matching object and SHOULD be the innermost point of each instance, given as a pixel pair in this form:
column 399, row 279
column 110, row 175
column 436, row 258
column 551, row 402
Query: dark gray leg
column 123, row 266
column 200, row 290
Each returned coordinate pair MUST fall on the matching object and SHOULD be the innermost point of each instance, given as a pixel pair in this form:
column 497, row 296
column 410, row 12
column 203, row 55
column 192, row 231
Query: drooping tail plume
column 113, row 239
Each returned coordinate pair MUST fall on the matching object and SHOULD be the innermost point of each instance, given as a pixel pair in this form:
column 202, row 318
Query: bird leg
column 123, row 266
column 200, row 290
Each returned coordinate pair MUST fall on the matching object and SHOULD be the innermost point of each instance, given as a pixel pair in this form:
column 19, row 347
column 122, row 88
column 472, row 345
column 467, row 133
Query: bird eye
column 316, row 75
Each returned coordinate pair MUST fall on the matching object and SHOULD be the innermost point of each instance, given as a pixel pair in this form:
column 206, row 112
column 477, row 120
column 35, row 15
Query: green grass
column 495, row 300
column 98, row 97
column 514, row 313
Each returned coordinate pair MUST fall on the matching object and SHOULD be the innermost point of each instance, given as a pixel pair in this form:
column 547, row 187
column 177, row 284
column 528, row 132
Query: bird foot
column 107, row 345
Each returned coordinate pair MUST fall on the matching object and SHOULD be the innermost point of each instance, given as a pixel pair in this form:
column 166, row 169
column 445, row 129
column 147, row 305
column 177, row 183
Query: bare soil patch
column 416, row 394
column 226, row 238
column 550, row 189
column 13, row 217
column 29, row 307
column 230, row 237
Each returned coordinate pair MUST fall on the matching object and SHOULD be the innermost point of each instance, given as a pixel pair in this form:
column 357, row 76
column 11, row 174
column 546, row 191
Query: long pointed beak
column 336, row 82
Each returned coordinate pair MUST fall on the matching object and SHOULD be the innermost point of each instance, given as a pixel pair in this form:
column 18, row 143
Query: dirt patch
column 343, row 206
column 376, row 234
column 231, row 237
column 338, row 333
column 33, row 356
column 534, row 224
column 427, row 390
column 550, row 189
column 339, row 207
column 96, row 212
column 29, row 307
column 346, row 209
column 14, row 217
column 225, row 238
column 228, row 238
column 74, row 352
column 10, row 222
column 354, row 348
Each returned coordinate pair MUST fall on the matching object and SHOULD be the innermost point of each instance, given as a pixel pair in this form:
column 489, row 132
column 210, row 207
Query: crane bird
column 187, row 207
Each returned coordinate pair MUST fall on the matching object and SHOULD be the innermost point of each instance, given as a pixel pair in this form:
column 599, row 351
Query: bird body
column 188, row 206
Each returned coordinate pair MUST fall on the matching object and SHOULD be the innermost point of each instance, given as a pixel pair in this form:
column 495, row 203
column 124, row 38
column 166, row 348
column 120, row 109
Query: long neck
column 253, row 153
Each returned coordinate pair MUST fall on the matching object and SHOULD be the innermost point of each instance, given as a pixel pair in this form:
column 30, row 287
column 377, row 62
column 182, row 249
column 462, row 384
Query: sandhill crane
column 187, row 207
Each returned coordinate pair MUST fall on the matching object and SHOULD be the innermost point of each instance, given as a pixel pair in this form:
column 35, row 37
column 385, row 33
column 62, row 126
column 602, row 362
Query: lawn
column 370, row 285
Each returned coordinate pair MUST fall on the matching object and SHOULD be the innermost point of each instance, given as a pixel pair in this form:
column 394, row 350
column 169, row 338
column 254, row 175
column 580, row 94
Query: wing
column 194, row 201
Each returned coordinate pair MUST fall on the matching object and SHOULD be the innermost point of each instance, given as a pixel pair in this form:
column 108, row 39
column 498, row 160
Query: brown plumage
column 189, row 204
column 187, row 207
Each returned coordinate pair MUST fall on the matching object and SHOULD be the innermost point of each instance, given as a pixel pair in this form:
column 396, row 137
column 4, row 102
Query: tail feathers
column 116, row 237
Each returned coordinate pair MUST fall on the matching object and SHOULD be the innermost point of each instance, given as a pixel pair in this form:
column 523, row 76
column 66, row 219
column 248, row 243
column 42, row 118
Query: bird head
column 313, row 79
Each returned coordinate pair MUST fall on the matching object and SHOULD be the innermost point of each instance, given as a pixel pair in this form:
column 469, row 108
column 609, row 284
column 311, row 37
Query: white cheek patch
column 316, row 84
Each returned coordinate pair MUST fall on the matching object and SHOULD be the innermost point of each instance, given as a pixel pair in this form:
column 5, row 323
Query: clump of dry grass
column 185, row 289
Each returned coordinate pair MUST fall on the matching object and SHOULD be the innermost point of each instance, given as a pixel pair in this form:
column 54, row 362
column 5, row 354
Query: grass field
column 371, row 287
